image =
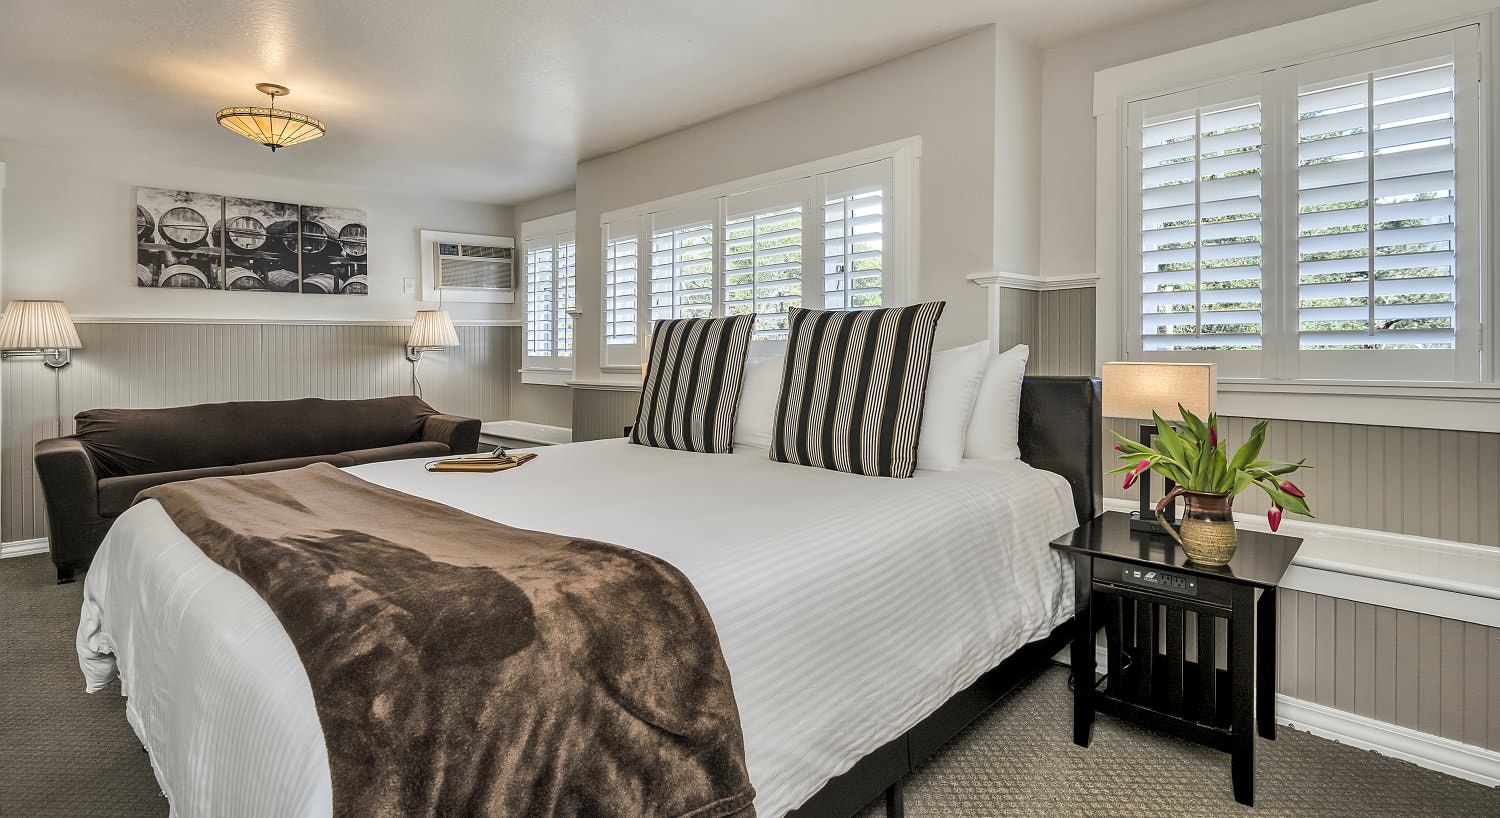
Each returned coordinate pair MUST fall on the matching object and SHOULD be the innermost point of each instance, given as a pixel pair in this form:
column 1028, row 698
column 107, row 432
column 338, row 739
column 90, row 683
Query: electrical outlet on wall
column 408, row 285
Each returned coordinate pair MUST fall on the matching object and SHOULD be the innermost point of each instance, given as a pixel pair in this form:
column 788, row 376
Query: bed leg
column 895, row 802
column 65, row 574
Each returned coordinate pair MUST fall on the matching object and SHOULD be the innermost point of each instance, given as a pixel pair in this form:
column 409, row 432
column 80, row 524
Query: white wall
column 549, row 205
column 946, row 94
column 69, row 233
column 1067, row 202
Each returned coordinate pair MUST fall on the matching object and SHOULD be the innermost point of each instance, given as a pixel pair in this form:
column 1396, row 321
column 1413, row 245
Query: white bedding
column 848, row 608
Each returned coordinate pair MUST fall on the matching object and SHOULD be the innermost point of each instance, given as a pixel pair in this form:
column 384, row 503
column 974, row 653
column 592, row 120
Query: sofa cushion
column 401, row 451
column 117, row 493
column 284, row 463
column 143, row 441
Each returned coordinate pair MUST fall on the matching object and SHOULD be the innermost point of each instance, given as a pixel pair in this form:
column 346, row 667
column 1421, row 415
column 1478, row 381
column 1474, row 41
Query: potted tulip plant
column 1192, row 455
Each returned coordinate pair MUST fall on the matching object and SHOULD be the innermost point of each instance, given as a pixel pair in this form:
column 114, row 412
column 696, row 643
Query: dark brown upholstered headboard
column 1062, row 431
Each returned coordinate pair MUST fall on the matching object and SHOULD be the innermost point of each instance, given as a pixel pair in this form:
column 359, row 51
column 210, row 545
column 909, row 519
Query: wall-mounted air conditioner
column 484, row 267
column 468, row 267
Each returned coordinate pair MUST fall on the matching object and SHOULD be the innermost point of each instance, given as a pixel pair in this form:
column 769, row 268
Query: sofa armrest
column 69, row 479
column 459, row 434
column 70, row 486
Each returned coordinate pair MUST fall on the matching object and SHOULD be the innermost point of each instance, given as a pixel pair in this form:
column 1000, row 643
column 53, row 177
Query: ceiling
column 477, row 100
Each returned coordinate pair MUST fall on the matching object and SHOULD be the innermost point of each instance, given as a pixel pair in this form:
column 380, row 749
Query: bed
column 857, row 631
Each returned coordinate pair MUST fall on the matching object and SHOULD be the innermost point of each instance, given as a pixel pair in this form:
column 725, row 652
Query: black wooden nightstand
column 1156, row 609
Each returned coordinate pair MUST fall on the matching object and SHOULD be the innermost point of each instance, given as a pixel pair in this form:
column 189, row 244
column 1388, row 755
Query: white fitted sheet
column 848, row 608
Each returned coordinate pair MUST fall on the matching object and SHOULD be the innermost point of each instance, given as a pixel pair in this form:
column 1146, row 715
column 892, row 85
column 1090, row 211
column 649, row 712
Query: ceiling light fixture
column 273, row 127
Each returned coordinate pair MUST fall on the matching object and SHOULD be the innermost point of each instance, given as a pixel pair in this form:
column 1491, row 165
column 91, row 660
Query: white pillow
column 952, row 385
column 995, row 426
column 755, row 420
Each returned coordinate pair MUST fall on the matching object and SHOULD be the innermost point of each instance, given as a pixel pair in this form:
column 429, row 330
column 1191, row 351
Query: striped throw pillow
column 853, row 387
column 692, row 386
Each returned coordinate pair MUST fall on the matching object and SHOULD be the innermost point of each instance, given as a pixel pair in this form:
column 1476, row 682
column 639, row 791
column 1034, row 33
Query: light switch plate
column 408, row 285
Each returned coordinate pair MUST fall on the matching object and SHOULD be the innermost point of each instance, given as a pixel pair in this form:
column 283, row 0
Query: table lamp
column 1135, row 390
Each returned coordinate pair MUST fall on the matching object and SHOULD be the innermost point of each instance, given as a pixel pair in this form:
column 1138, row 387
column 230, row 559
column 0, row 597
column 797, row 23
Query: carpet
column 66, row 754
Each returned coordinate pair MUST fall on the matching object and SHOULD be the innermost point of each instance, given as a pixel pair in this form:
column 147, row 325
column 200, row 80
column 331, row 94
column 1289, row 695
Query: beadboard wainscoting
column 601, row 412
column 1425, row 673
column 1065, row 332
column 1426, row 482
column 140, row 365
column 536, row 403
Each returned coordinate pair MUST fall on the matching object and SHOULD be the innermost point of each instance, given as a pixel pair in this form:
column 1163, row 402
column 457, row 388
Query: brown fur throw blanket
column 461, row 667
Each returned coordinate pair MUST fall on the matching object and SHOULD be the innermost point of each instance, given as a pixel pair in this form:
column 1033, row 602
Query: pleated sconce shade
column 432, row 329
column 1135, row 390
column 38, row 325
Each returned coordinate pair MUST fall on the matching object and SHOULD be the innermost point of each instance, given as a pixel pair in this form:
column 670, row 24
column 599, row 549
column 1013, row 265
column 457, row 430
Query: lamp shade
column 432, row 329
column 1135, row 390
column 38, row 325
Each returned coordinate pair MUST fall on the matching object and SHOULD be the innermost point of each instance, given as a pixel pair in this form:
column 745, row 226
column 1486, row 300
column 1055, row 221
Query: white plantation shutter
column 1368, row 157
column 1379, row 204
column 761, row 264
column 623, row 313
column 540, row 318
column 682, row 263
column 551, row 292
column 1201, row 226
column 566, row 290
column 854, row 225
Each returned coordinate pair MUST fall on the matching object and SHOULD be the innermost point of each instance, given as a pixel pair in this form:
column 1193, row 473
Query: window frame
column 899, row 243
column 557, row 230
column 1251, row 54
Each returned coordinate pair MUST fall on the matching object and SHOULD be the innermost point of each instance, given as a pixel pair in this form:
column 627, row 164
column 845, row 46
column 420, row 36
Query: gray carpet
column 65, row 753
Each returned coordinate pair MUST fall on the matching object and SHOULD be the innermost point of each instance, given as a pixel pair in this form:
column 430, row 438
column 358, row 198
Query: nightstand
column 1160, row 613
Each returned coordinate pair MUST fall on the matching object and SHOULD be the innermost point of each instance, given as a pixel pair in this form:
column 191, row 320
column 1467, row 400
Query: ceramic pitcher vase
column 1206, row 533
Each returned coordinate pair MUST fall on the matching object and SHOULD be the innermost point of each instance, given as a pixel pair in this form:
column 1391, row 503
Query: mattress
column 848, row 608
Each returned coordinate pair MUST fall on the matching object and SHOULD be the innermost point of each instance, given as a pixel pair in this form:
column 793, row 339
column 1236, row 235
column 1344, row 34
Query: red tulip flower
column 1213, row 436
column 1131, row 477
column 1291, row 488
column 1274, row 516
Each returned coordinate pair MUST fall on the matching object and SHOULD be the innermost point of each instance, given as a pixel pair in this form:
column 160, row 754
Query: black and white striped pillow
column 692, row 386
column 853, row 387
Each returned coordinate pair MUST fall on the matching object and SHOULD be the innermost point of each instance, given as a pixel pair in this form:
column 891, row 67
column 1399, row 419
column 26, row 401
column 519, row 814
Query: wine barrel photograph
column 334, row 251
column 179, row 239
column 259, row 237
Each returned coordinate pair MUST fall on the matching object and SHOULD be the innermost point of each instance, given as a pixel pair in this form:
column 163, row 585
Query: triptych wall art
column 207, row 241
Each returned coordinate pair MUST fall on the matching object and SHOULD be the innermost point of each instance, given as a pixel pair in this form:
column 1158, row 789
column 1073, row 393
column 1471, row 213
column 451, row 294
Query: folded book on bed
column 464, row 667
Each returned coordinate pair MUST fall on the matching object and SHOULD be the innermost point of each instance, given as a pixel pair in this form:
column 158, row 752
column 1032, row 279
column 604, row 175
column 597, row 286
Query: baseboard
column 23, row 548
column 1422, row 749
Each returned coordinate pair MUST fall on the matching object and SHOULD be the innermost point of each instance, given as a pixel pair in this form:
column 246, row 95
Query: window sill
column 546, row 377
column 1461, row 407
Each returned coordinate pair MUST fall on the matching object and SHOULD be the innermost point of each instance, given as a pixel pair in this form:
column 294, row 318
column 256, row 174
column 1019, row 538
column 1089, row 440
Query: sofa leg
column 64, row 574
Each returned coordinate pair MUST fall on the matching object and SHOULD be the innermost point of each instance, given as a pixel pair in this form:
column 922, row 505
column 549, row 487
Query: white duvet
column 848, row 608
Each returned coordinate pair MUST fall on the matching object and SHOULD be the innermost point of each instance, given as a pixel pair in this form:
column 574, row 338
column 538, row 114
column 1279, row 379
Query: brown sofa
column 90, row 477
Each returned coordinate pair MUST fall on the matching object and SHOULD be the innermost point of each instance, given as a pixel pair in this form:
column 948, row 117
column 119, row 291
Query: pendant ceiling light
column 273, row 127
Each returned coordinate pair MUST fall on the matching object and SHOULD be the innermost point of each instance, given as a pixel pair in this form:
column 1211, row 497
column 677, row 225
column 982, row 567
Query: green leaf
column 1251, row 447
column 1289, row 502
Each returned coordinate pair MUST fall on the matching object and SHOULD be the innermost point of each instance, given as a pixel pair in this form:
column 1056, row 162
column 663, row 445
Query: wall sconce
column 40, row 329
column 431, row 331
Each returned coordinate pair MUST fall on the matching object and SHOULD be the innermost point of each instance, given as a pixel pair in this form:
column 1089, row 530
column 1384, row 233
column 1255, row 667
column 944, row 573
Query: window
column 743, row 249
column 1315, row 222
column 551, row 296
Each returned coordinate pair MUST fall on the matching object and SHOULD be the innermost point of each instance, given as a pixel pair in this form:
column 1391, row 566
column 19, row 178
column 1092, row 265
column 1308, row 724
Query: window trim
column 901, row 247
column 552, row 227
column 1357, row 28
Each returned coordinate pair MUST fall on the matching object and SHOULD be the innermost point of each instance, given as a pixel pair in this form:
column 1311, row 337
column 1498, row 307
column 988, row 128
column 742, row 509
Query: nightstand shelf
column 1159, row 613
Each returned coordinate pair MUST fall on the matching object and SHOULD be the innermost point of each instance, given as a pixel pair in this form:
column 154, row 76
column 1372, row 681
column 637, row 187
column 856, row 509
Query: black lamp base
column 1144, row 520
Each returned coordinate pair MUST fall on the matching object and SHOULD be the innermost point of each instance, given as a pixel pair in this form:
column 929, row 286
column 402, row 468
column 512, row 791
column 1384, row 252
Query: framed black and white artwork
column 179, row 239
column 260, row 245
column 334, row 251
